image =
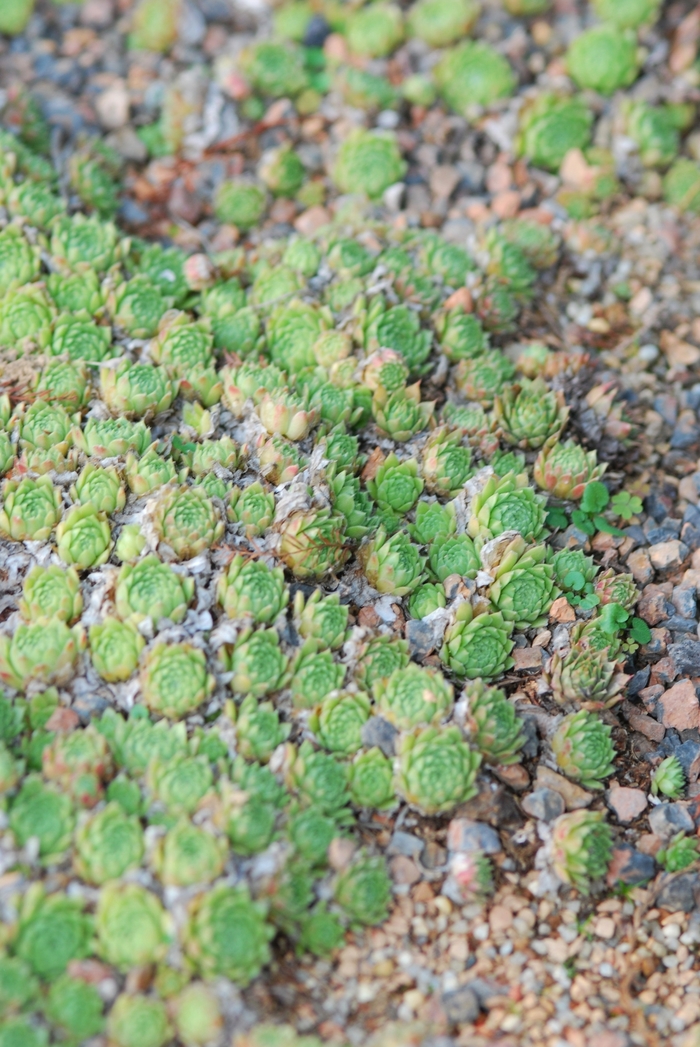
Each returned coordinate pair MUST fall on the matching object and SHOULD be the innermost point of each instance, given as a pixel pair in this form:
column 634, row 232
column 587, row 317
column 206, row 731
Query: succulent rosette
column 179, row 782
column 151, row 589
column 227, row 934
column 252, row 507
column 453, row 554
column 111, row 437
column 473, row 74
column 396, row 485
column 314, row 675
column 481, row 378
column 321, row 618
column 507, row 503
column 530, row 415
column 257, row 663
column 136, row 390
column 187, row 521
column 115, row 648
column 188, row 855
column 581, row 848
column 137, row 306
column 612, row 587
column 75, row 1008
column 197, row 1015
column 413, row 696
column 402, row 414
column 446, row 462
column 523, row 589
column 107, row 845
column 368, row 162
column 551, row 125
column 131, row 925
column 603, row 59
column 493, row 725
column 51, row 931
column 392, row 564
column 100, row 487
column 251, row 589
column 436, row 769
column 319, row 780
column 363, row 890
column 83, row 537
column 45, row 812
column 582, row 748
column 136, row 1019
column 43, row 650
column 477, row 645
column 564, row 469
column 668, row 778
column 30, row 509
column 312, row 542
column 338, row 721
column 259, row 730
column 51, row 592
column 174, row 679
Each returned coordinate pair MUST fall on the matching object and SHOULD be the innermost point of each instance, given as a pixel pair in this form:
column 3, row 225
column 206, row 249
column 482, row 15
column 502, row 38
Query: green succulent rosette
column 506, row 503
column 197, row 1015
column 627, row 14
column 396, row 486
column 312, row 543
column 378, row 658
column 375, row 31
column 259, row 730
column 530, row 415
column 319, row 780
column 564, row 469
column 74, row 1008
column 612, row 587
column 251, row 589
column 550, row 126
column 603, row 59
column 26, row 316
column 668, row 778
column 252, row 507
column 42, row 811
column 371, row 781
column 314, row 675
column 45, row 651
column 681, row 185
column 149, row 471
column 20, row 261
column 151, row 589
column 136, row 390
column 473, row 74
column 30, row 509
column 136, row 1019
column 52, row 930
column 436, row 769
column 654, row 131
column 581, row 848
column 137, row 306
column 679, row 853
column 338, row 721
column 174, row 679
column 78, row 337
column 432, row 521
column 115, row 648
column 442, row 22
column 453, row 554
column 111, row 437
column 83, row 537
column 402, row 414
column 412, row 697
column 179, row 782
column 446, row 463
column 227, row 934
column 45, row 426
column 582, row 748
column 187, row 521
column 51, row 592
column 493, row 725
column 363, row 890
column 321, row 618
column 523, row 589
column 257, row 663
column 477, row 645
column 107, row 845
column 368, row 162
column 131, row 925
column 426, row 599
column 188, row 855
column 392, row 564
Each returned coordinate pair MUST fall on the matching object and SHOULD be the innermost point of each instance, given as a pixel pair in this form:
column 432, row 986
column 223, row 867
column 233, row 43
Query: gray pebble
column 670, row 818
column 462, row 1005
column 544, row 804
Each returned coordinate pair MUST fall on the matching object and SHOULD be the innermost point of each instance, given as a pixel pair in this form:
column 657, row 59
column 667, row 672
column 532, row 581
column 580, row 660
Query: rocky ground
column 534, row 964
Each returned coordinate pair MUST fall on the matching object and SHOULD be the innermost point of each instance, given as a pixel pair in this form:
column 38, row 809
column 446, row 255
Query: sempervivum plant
column 250, row 588
column 668, row 778
column 585, row 675
column 322, row 618
column 493, row 724
column 83, row 537
column 436, row 769
column 338, row 721
column 314, row 674
column 439, row 23
column 473, row 74
column 227, row 934
column 371, row 780
column 603, row 59
column 582, row 748
column 392, row 564
column 111, row 437
column 621, row 589
column 363, row 890
column 187, row 521
column 581, row 848
column 530, row 414
column 45, row 651
column 477, row 645
column 151, row 589
column 507, row 503
column 523, row 589
column 136, row 390
column 174, row 679
column 396, row 485
column 413, row 696
column 258, row 729
column 100, row 487
column 551, row 125
column 564, row 469
column 30, row 509
column 51, row 592
column 446, row 462
column 257, row 663
column 108, row 844
column 188, row 855
column 368, row 162
column 115, row 648
column 312, row 542
column 132, row 926
column 252, row 507
column 453, row 554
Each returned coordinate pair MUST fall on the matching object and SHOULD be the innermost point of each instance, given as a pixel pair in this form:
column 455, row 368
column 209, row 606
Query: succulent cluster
column 215, row 464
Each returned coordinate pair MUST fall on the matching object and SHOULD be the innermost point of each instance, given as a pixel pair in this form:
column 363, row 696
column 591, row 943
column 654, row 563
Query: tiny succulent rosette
column 564, row 469
column 581, row 848
column 551, row 125
column 257, row 663
column 679, row 853
column 107, row 845
column 312, row 543
column 478, row 645
column 46, row 651
column 368, row 162
column 174, row 679
column 611, row 587
column 115, row 648
column 30, row 509
column 84, row 537
column 582, row 748
column 473, row 74
column 436, row 769
column 493, row 725
column 314, row 675
column 392, row 564
column 227, row 934
column 252, row 507
column 371, row 780
column 446, row 462
column 668, row 778
column 131, row 925
column 523, row 589
column 251, row 589
column 402, row 414
column 412, row 697
column 585, row 675
column 396, row 485
column 507, row 503
column 51, row 592
column 603, row 59
column 319, row 779
column 338, row 721
column 259, row 730
column 530, row 415
column 136, row 390
column 363, row 890
column 187, row 521
column 152, row 589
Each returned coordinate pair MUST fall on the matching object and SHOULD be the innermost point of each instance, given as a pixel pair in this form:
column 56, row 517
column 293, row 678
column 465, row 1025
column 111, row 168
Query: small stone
column 460, row 299
column 630, row 866
column 679, row 707
column 573, row 795
column 667, row 555
column 463, row 834
column 434, row 856
column 652, row 605
column 405, row 844
column 610, row 1038
column 604, row 927
column 112, row 106
column 62, row 719
column 562, row 611
column 627, row 803
column 670, row 818
column 500, row 919
column 404, row 870
column 527, row 658
column 444, row 179
column 340, row 852
column 514, row 775
column 461, row 1006
column 544, row 804
column 639, row 721
column 423, row 637
column 638, row 681
column 686, row 657
column 311, row 220
column 379, row 732
column 639, row 566
column 98, row 14
column 679, row 893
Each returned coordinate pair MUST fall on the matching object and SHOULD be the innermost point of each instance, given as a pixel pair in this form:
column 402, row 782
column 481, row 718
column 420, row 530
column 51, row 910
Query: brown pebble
column 368, row 618
column 573, row 795
column 404, row 870
column 460, row 299
column 311, row 220
column 665, row 555
column 627, row 803
column 62, row 719
column 679, row 708
column 507, row 204
column 562, row 611
column 527, row 658
column 652, row 603
column 513, row 775
column 639, row 721
column 639, row 566
column 340, row 852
